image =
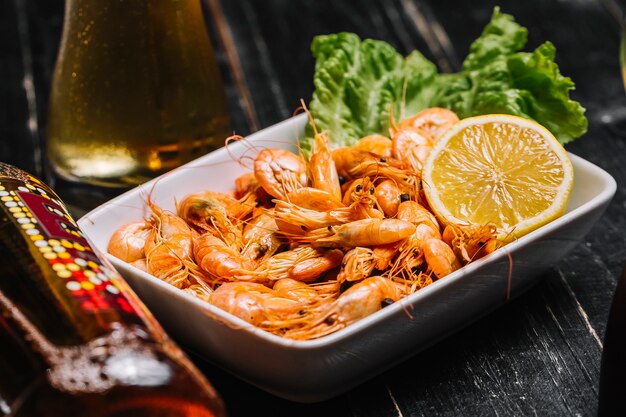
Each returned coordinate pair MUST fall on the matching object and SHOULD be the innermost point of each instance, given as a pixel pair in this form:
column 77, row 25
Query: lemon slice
column 498, row 169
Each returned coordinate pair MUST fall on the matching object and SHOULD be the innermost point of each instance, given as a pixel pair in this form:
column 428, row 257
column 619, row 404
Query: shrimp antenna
column 308, row 113
column 149, row 201
column 403, row 100
column 238, row 139
column 392, row 122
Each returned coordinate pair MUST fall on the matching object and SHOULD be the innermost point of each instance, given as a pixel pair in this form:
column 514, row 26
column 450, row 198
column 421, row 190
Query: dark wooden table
column 538, row 355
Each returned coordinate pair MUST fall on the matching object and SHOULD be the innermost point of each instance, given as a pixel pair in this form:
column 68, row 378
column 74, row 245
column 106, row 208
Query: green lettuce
column 358, row 83
column 361, row 85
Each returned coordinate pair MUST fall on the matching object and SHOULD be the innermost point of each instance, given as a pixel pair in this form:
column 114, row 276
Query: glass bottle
column 74, row 339
column 613, row 365
column 136, row 91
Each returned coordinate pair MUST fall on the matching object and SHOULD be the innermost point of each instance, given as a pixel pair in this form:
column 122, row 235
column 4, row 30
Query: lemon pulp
column 498, row 169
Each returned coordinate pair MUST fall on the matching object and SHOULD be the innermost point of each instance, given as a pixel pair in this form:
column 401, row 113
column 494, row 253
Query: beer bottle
column 74, row 339
column 613, row 366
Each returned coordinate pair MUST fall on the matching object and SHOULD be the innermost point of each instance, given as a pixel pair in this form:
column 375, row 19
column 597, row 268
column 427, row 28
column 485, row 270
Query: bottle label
column 45, row 223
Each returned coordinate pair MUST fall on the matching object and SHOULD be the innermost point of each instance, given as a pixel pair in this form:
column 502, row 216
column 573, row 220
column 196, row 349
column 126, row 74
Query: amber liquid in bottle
column 74, row 339
column 136, row 91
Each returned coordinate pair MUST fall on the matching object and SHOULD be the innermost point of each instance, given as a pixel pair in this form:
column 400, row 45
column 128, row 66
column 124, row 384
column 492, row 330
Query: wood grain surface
column 539, row 354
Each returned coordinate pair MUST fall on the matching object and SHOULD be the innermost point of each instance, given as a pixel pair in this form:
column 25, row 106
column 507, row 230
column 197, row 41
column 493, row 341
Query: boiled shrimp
column 296, row 220
column 223, row 263
column 244, row 184
column 127, row 242
column 411, row 251
column 413, row 138
column 304, row 263
column 366, row 232
column 279, row 171
column 384, row 254
column 314, row 199
column 471, row 242
column 407, row 179
column 253, row 302
column 302, row 292
column 412, row 145
column 434, row 121
column 376, row 144
column 208, row 212
column 414, row 212
column 357, row 302
column 168, row 247
column 358, row 263
column 389, row 196
column 200, row 290
column 440, row 257
column 322, row 168
column 359, row 196
column 250, row 196
column 140, row 264
column 347, row 159
column 260, row 237
column 272, row 310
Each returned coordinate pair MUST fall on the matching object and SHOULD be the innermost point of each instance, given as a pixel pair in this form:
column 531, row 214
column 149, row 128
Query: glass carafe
column 136, row 91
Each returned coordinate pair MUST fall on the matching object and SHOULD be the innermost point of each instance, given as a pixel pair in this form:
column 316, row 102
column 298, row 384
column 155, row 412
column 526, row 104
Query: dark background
column 540, row 354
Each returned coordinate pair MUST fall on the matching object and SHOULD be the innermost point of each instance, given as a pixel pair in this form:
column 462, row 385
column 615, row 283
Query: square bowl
column 315, row 370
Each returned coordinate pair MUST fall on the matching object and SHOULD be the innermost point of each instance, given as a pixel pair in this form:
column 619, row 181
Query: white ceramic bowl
column 314, row 370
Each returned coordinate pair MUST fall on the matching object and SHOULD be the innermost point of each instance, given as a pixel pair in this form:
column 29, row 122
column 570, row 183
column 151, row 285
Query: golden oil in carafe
column 136, row 91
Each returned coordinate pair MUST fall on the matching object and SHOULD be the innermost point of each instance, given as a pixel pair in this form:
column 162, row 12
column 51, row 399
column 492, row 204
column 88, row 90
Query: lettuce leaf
column 360, row 85
column 502, row 36
column 357, row 85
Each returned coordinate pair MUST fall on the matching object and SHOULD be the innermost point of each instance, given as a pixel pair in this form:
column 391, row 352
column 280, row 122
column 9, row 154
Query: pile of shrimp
column 306, row 246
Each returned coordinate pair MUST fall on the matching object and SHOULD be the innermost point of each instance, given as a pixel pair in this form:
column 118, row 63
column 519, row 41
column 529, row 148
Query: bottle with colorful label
column 74, row 339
